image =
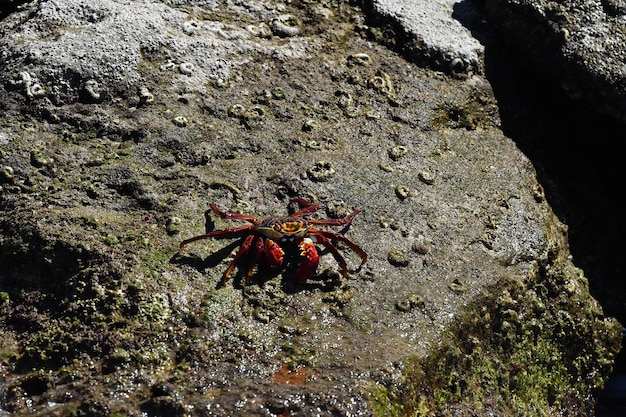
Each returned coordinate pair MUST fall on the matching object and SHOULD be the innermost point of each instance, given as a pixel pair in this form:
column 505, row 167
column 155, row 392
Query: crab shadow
column 203, row 264
column 260, row 276
column 327, row 280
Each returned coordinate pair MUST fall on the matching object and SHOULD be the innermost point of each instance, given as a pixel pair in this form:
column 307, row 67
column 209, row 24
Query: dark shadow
column 9, row 6
column 470, row 14
column 210, row 261
column 260, row 276
column 574, row 150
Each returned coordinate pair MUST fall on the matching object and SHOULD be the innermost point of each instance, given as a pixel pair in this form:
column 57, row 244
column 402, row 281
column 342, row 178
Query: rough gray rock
column 434, row 35
column 63, row 68
column 581, row 44
column 109, row 160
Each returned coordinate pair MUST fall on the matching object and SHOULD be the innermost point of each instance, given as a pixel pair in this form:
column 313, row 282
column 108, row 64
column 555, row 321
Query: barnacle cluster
column 410, row 302
column 381, row 82
column 250, row 117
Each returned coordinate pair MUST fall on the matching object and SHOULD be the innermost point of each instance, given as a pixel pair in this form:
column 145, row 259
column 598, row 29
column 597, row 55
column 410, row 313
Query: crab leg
column 245, row 246
column 217, row 234
column 231, row 215
column 259, row 246
column 305, row 207
column 322, row 240
column 335, row 222
column 330, row 235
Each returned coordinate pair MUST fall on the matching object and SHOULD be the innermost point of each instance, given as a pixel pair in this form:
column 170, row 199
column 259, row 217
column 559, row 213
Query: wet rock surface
column 122, row 122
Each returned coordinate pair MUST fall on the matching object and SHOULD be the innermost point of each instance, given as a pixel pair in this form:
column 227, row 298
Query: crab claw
column 309, row 260
column 273, row 253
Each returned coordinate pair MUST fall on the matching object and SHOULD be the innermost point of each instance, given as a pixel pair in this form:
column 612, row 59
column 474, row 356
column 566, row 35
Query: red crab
column 273, row 236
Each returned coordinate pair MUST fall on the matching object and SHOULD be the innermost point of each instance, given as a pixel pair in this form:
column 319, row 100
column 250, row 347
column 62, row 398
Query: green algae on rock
column 534, row 351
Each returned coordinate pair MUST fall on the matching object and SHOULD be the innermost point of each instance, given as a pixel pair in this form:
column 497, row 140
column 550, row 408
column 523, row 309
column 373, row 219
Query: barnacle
column 262, row 30
column 426, row 177
column 191, row 26
column 344, row 99
column 253, row 116
column 397, row 257
column 7, row 175
column 359, row 59
column 397, row 152
column 457, row 286
column 91, row 89
column 285, row 25
column 36, row 90
column 385, row 167
column 180, row 121
column 309, row 125
column 173, row 225
column 321, row 171
column 186, row 68
column 278, row 93
column 403, row 192
column 31, row 88
column 167, row 66
column 145, row 96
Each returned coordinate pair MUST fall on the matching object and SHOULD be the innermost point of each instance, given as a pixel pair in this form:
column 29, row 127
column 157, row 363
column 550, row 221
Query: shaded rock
column 581, row 44
column 9, row 6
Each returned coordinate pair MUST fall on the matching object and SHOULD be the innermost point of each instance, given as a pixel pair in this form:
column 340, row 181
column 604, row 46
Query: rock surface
column 123, row 121
column 580, row 43
column 433, row 32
